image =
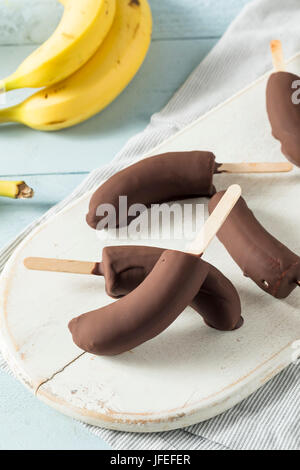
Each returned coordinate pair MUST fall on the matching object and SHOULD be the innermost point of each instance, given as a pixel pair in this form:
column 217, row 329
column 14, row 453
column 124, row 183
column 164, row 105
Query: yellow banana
column 15, row 190
column 99, row 81
column 83, row 27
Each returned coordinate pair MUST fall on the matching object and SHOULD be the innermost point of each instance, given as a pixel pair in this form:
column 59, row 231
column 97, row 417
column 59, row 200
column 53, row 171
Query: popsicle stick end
column 277, row 55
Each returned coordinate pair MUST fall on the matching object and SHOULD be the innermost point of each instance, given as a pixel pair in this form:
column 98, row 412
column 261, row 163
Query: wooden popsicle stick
column 216, row 220
column 59, row 265
column 277, row 56
column 267, row 167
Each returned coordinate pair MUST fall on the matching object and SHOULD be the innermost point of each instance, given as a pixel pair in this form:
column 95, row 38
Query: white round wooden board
column 190, row 373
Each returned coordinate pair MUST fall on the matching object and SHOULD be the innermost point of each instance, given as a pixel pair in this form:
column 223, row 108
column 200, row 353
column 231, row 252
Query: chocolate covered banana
column 162, row 178
column 283, row 106
column 269, row 263
column 144, row 313
column 126, row 267
column 284, row 113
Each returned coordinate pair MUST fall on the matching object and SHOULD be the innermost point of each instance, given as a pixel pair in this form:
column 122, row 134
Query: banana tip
column 25, row 192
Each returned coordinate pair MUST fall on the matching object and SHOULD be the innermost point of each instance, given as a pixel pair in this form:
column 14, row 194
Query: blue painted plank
column 193, row 18
column 171, row 19
column 49, row 190
column 28, row 424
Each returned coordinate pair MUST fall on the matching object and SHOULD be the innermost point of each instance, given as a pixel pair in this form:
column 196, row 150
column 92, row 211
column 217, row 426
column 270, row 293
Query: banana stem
column 15, row 190
column 25, row 192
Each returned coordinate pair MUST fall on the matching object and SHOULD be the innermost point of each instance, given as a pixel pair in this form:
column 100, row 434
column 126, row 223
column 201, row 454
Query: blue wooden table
column 53, row 164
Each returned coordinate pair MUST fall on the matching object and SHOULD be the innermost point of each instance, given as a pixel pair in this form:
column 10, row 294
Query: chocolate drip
column 269, row 263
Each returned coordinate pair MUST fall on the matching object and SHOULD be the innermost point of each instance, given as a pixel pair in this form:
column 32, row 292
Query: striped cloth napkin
column 270, row 418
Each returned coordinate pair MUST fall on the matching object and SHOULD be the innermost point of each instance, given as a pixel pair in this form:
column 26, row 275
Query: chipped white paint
column 190, row 372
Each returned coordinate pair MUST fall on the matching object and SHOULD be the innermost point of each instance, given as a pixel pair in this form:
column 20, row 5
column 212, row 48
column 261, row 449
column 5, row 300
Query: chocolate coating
column 154, row 180
column 218, row 302
column 269, row 263
column 126, row 267
column 283, row 114
column 144, row 313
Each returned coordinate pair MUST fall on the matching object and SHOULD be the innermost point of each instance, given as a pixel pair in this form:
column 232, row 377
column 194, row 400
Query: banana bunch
column 15, row 190
column 82, row 29
column 91, row 57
